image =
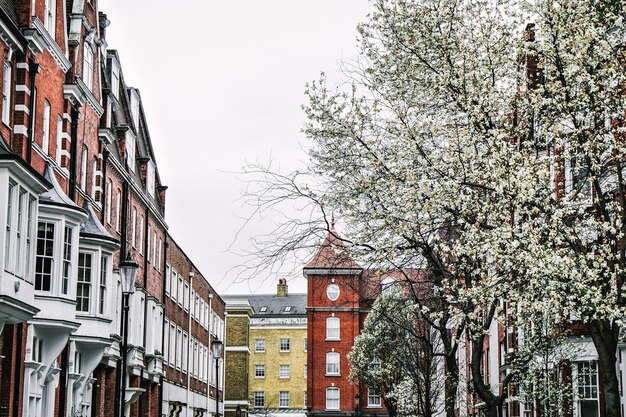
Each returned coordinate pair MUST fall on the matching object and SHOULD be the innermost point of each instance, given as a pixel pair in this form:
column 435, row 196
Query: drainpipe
column 189, row 349
column 209, row 361
column 145, row 276
column 74, row 154
column 33, row 70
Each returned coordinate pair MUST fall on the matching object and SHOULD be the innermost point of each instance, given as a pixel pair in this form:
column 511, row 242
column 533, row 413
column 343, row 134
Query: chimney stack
column 281, row 289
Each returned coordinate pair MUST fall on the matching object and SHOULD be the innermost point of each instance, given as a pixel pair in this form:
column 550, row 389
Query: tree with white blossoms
column 483, row 140
column 397, row 354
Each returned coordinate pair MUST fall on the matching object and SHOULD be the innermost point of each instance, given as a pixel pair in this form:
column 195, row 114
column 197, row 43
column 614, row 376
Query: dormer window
column 287, row 309
column 151, row 178
column 130, row 151
column 115, row 79
column 263, row 309
column 88, row 66
column 134, row 108
column 49, row 16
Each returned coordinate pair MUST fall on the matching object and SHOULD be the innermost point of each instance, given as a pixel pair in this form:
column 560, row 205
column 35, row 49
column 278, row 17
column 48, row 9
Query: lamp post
column 216, row 346
column 128, row 275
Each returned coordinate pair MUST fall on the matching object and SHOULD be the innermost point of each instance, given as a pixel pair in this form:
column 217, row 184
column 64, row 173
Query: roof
column 92, row 227
column 275, row 306
column 8, row 7
column 332, row 254
column 55, row 195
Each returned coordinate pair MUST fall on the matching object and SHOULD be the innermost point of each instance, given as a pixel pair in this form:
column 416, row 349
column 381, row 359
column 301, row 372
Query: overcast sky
column 222, row 83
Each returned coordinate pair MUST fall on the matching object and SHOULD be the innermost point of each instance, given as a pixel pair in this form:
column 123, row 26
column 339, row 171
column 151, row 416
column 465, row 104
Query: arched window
column 45, row 138
column 88, row 66
column 332, row 363
column 332, row 328
column 332, row 398
column 83, row 169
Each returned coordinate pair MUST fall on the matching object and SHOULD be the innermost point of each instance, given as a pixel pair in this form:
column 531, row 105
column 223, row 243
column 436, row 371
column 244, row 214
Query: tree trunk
column 451, row 383
column 605, row 338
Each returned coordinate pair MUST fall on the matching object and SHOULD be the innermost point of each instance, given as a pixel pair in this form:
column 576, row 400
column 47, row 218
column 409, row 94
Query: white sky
column 222, row 83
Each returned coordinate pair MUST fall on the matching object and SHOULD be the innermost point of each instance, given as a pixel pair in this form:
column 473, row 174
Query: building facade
column 79, row 193
column 238, row 314
column 277, row 366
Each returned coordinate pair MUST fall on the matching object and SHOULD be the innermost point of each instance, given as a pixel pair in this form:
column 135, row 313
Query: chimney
column 281, row 288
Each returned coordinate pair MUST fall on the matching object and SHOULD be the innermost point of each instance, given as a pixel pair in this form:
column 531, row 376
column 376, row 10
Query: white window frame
column 134, row 227
column 283, row 399
column 284, row 371
column 45, row 137
column 259, row 371
column 333, row 364
column 259, row 345
column 373, row 398
column 88, row 65
column 333, row 396
column 259, row 399
column 6, row 92
column 49, row 17
column 59, row 140
column 333, row 326
column 284, row 344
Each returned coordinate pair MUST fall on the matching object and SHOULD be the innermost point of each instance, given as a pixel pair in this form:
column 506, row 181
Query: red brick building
column 339, row 295
column 80, row 191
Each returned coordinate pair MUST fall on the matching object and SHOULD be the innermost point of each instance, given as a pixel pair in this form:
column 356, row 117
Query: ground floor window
column 259, row 399
column 332, row 398
column 373, row 397
column 587, row 385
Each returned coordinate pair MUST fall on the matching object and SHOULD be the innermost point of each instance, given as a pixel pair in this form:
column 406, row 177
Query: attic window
column 288, row 308
column 263, row 309
column 134, row 108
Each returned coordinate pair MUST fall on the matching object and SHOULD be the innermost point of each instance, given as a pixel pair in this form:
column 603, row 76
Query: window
column 173, row 352
column 287, row 309
column 83, row 289
column 159, row 255
column 67, row 260
column 283, row 399
column 45, row 253
column 141, row 234
column 180, row 290
column 88, row 65
column 150, row 181
column 59, row 140
column 332, row 398
column 94, row 176
column 304, row 405
column 134, row 228
column 263, row 309
column 108, row 200
column 154, row 250
column 376, row 363
column 49, row 16
column 332, row 328
column 104, row 266
column 284, row 345
column 306, row 344
column 284, row 371
column 29, row 234
column 37, row 350
column 259, row 399
column 115, row 79
column 45, row 138
column 179, row 348
column 174, row 284
column 587, row 381
column 130, row 151
column 83, row 168
column 332, row 363
column 259, row 345
column 118, row 213
column 305, row 372
column 148, row 246
column 7, row 242
column 168, row 280
column 185, row 349
column 186, row 295
column 6, row 92
column 373, row 397
column 259, row 371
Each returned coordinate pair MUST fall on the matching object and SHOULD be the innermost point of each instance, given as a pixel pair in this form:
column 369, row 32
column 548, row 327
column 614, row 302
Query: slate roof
column 8, row 7
column 92, row 227
column 55, row 195
column 275, row 305
column 332, row 254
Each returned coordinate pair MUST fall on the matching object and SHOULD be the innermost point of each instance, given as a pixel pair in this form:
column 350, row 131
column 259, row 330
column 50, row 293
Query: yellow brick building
column 277, row 344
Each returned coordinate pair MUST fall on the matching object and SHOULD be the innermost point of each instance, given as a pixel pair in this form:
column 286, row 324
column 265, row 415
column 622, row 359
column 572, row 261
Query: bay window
column 45, row 256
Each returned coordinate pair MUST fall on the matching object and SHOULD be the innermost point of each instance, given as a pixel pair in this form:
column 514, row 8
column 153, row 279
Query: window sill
column 284, row 377
column 333, row 340
column 333, row 374
column 259, row 351
column 259, row 377
column 284, row 351
column 374, row 406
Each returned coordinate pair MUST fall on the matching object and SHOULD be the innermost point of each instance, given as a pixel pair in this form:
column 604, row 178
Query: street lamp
column 128, row 274
column 217, row 346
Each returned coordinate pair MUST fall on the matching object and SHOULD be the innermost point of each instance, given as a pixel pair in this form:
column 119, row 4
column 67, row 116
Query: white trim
column 22, row 65
column 238, row 349
column 22, row 108
column 52, row 47
column 22, row 88
column 20, row 130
